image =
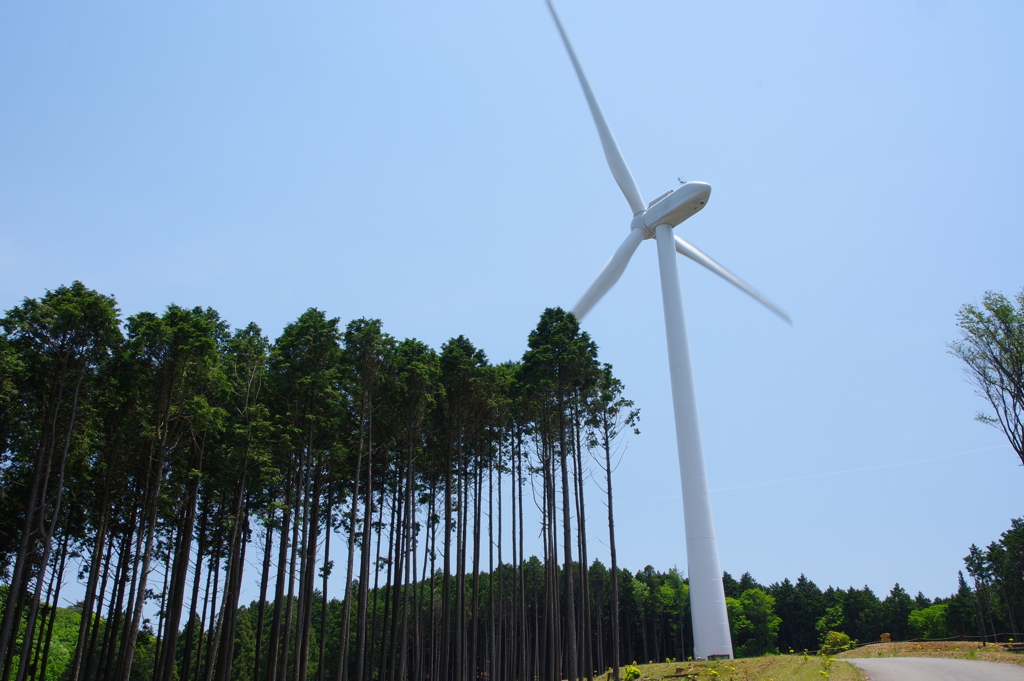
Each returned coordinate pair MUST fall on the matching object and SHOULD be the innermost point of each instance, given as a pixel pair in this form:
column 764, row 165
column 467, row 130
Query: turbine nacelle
column 672, row 207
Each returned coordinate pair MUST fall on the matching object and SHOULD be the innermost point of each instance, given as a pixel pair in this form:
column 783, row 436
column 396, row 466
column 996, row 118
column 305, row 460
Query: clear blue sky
column 434, row 165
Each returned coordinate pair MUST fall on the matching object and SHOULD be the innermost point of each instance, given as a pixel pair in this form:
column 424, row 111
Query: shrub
column 630, row 673
column 836, row 642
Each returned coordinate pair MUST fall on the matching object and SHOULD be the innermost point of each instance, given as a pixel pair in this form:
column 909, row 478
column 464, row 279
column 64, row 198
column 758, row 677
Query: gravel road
column 936, row 669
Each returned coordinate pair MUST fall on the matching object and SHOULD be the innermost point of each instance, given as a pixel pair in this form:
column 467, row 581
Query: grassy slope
column 768, row 668
column 960, row 650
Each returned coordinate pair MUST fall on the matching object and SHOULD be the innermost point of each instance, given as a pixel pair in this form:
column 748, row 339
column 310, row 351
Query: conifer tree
column 59, row 341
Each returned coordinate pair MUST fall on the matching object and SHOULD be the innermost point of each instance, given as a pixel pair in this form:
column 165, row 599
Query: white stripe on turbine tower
column 707, row 596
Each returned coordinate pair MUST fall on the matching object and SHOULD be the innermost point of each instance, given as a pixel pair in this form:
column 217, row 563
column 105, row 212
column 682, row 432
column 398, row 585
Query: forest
column 154, row 459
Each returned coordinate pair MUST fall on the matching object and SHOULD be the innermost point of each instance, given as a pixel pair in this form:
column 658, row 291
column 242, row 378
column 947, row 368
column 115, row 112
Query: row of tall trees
column 161, row 456
column 997, row 572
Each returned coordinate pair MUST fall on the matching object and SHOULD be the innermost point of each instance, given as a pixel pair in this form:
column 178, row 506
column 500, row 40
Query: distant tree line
column 654, row 620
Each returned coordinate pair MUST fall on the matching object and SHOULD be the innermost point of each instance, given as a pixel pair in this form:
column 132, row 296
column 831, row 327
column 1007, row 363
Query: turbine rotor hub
column 638, row 223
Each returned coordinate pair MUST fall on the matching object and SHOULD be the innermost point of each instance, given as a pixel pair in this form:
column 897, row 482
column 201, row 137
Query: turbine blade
column 613, row 269
column 620, row 171
column 695, row 254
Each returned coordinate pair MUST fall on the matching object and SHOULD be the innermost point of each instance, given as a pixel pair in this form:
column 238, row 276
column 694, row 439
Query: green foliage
column 754, row 624
column 826, row 664
column 242, row 667
column 630, row 672
column 62, row 645
column 558, row 371
column 800, row 605
column 11, row 368
column 829, row 622
column 72, row 324
column 641, row 597
column 610, row 412
column 929, row 622
column 896, row 608
column 998, row 575
column 306, row 371
column 731, row 586
column 857, row 612
column 992, row 348
column 961, row 611
column 836, row 642
column 144, row 658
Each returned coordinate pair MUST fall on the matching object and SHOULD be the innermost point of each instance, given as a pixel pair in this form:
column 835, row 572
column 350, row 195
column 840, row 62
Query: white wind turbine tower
column 656, row 221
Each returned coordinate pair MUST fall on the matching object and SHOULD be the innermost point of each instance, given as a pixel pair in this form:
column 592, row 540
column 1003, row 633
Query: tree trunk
column 474, row 661
column 193, row 624
column 446, row 588
column 587, row 652
column 179, row 579
column 273, row 654
column 571, row 653
column 47, row 531
column 136, row 594
column 58, row 577
column 233, row 583
column 36, row 500
column 346, row 624
column 364, row 570
column 326, row 570
column 108, row 657
column 88, row 598
column 267, row 551
column 214, row 628
column 289, row 625
column 53, row 612
column 614, row 624
column 86, row 662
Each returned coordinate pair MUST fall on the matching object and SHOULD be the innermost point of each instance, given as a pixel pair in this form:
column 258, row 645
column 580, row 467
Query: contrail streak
column 857, row 470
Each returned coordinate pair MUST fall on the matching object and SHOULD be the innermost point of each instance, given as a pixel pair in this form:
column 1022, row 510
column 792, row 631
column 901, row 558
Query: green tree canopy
column 992, row 348
column 754, row 623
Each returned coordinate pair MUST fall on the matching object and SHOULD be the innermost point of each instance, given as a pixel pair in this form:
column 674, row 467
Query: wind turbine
column 656, row 221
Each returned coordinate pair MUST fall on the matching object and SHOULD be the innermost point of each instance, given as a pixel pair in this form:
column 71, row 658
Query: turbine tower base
column 711, row 637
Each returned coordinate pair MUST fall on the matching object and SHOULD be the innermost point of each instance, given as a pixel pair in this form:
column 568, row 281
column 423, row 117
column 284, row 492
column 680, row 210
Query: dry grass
column 768, row 668
column 961, row 650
